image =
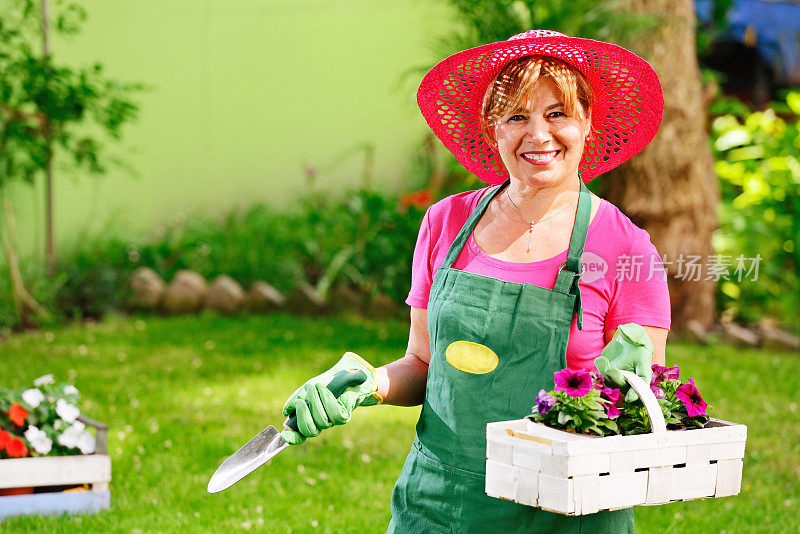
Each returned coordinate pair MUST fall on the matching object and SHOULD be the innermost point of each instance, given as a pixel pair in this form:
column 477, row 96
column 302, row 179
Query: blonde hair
column 512, row 87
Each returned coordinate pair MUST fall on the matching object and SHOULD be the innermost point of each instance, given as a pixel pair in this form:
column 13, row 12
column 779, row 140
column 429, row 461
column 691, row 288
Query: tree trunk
column 48, row 175
column 670, row 189
column 23, row 301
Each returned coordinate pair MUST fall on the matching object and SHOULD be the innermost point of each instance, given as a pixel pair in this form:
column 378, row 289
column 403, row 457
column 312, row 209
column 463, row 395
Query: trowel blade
column 247, row 459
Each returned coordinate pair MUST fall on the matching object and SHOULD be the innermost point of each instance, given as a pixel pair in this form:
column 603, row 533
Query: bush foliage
column 363, row 239
column 759, row 171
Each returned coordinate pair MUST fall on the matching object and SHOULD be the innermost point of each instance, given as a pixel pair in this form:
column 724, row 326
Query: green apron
column 494, row 345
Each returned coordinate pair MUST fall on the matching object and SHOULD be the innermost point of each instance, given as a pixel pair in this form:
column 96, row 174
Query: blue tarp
column 775, row 26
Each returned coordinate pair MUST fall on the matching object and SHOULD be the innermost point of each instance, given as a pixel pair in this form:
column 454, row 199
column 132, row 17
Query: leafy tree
column 485, row 22
column 47, row 107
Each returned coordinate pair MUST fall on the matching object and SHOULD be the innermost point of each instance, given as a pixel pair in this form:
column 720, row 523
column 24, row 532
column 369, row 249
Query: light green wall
column 244, row 94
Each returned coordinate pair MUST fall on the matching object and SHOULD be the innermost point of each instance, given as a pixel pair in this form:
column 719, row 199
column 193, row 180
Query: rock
column 739, row 335
column 185, row 294
column 262, row 298
column 225, row 295
column 305, row 300
column 148, row 289
column 777, row 339
column 695, row 332
column 381, row 306
column 345, row 298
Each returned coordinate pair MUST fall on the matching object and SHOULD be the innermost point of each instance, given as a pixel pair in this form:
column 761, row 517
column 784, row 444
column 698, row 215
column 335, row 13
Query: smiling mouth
column 540, row 158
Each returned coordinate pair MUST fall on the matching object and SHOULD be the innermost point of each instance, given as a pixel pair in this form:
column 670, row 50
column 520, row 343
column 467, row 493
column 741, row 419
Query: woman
column 501, row 297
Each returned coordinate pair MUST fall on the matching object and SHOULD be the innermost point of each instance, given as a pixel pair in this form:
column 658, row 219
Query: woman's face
column 541, row 145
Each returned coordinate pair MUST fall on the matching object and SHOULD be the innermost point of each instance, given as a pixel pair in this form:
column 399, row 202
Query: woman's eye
column 556, row 114
column 516, row 118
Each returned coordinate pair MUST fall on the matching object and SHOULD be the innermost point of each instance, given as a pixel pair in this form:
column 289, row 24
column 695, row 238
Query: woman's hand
column 317, row 408
column 631, row 350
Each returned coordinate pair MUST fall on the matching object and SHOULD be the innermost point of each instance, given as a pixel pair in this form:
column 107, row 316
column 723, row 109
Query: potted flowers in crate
column 607, row 441
column 50, row 462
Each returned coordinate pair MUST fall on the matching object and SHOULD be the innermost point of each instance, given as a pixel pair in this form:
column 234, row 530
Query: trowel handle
column 340, row 382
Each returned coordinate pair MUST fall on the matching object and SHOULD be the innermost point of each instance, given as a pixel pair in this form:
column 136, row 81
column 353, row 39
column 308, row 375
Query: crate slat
column 729, row 477
column 55, row 503
column 55, row 470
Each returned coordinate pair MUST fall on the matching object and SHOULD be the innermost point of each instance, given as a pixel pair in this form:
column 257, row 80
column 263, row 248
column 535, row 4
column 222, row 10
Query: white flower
column 38, row 440
column 67, row 411
column 33, row 397
column 72, row 435
column 69, row 389
column 42, row 380
column 86, row 443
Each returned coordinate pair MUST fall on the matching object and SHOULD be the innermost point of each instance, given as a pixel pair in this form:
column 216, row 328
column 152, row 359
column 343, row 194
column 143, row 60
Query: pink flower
column 610, row 395
column 612, row 411
column 690, row 397
column 658, row 392
column 575, row 383
column 661, row 374
column 611, row 398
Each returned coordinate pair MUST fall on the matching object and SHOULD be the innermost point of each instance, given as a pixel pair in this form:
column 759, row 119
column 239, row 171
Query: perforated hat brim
column 626, row 114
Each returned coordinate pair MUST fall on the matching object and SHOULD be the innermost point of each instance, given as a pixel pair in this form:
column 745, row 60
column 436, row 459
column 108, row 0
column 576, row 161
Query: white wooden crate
column 92, row 469
column 576, row 474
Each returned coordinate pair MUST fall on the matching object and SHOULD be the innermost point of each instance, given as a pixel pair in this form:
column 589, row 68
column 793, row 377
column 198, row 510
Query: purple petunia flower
column 611, row 396
column 544, row 401
column 690, row 397
column 657, row 391
column 575, row 383
column 661, row 373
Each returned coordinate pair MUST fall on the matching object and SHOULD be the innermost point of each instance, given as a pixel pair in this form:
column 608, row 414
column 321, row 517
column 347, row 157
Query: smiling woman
column 498, row 298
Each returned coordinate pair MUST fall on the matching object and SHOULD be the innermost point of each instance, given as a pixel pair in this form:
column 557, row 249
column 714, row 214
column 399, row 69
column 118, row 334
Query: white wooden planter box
column 92, row 469
column 576, row 474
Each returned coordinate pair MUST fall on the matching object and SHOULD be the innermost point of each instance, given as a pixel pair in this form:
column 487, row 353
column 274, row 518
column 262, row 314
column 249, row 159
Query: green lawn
column 180, row 394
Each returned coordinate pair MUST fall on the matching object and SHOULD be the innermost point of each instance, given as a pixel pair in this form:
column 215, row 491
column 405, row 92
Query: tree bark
column 670, row 189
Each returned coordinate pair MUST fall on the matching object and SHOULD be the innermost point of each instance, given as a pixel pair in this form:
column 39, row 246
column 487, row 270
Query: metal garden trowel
column 267, row 443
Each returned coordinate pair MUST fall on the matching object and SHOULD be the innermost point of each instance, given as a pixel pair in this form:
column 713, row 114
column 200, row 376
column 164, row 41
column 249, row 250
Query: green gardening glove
column 629, row 350
column 317, row 408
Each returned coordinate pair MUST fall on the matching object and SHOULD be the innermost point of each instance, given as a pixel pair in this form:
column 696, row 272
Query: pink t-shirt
column 623, row 280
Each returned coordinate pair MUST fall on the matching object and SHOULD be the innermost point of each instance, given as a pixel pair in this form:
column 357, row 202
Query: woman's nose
column 537, row 130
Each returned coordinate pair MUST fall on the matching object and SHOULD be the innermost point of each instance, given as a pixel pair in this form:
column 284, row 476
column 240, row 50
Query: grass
column 180, row 394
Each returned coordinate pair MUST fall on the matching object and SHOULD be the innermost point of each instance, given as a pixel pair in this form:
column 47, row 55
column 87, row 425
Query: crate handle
column 657, row 422
column 101, row 441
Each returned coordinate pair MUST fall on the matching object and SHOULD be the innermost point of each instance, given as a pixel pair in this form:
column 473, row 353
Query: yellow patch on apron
column 471, row 357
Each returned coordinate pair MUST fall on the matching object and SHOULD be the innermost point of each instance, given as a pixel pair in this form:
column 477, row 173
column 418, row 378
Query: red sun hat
column 626, row 113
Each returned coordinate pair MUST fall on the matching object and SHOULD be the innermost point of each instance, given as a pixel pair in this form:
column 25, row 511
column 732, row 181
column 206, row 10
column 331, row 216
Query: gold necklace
column 532, row 223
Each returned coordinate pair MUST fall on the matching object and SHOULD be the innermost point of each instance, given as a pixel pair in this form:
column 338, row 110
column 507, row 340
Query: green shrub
column 362, row 238
column 759, row 171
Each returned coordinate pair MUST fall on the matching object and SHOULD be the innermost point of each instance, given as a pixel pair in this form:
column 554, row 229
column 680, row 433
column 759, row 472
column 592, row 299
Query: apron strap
column 472, row 221
column 571, row 270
